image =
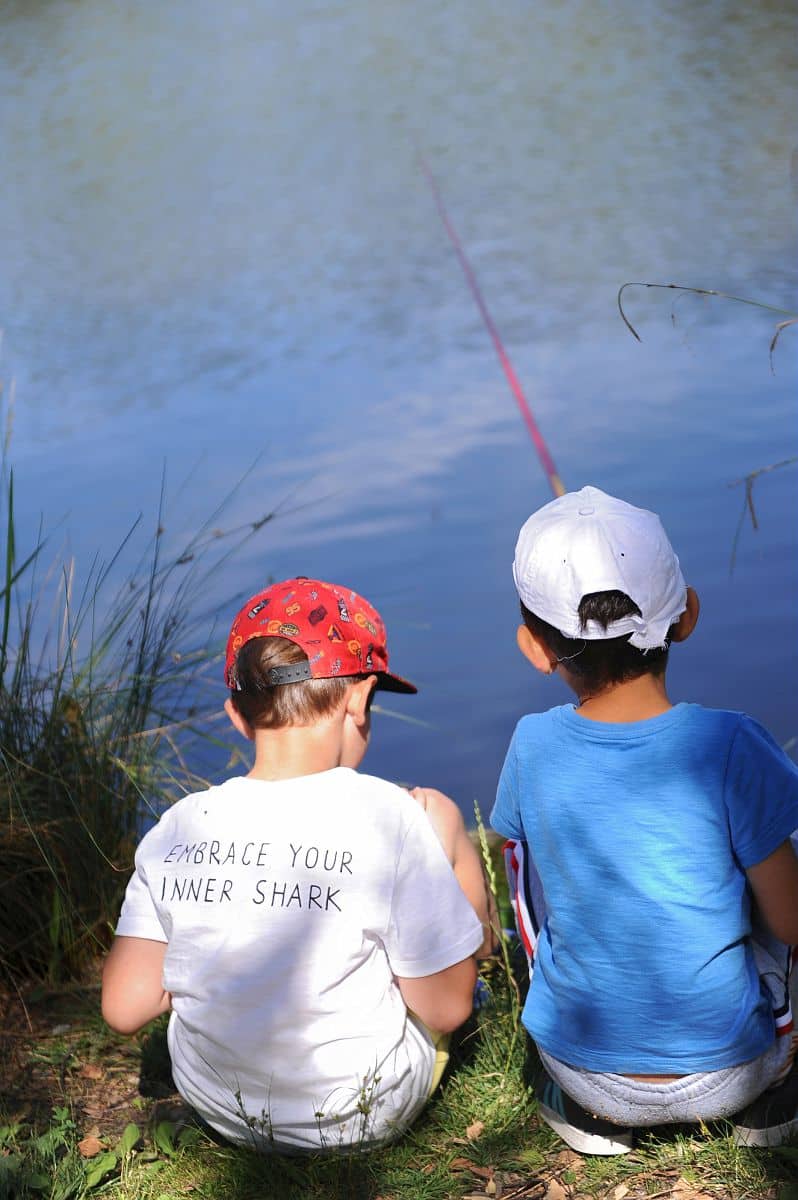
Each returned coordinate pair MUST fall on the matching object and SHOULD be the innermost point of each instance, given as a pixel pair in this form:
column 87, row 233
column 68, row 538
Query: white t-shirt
column 288, row 907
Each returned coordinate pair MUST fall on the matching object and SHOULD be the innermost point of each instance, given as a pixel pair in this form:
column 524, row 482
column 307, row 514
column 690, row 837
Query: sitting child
column 311, row 935
column 661, row 882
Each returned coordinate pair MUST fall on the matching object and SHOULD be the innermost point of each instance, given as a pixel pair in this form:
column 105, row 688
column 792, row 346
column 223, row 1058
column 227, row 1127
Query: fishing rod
column 546, row 460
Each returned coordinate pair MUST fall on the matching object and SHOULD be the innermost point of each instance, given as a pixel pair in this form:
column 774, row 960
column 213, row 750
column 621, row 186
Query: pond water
column 221, row 259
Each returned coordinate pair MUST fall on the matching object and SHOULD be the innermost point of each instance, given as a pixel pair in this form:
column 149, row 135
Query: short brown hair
column 269, row 706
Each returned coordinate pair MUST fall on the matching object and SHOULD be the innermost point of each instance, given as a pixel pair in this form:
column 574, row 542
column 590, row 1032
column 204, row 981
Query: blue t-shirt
column 641, row 834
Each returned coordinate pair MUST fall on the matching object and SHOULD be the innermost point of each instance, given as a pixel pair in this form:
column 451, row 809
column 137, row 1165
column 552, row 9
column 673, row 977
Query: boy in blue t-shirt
column 661, row 881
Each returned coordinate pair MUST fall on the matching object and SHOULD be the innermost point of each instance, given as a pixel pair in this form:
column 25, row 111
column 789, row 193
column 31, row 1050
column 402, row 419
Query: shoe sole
column 772, row 1135
column 587, row 1143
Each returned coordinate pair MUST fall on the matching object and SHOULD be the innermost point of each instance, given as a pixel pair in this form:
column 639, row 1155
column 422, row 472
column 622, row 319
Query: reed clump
column 96, row 702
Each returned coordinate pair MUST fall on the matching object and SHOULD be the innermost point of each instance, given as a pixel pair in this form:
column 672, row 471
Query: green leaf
column 8, row 1133
column 128, row 1140
column 62, row 1118
column 99, row 1168
column 49, row 1141
column 163, row 1136
column 189, row 1136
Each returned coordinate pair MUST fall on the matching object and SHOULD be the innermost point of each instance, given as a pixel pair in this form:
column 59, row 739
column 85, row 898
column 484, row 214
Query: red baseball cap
column 339, row 631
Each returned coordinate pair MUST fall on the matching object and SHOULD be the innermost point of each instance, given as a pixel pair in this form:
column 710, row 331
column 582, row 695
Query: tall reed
column 95, row 706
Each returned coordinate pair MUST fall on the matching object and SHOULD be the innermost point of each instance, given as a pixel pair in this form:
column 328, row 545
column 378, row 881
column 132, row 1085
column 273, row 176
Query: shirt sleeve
column 139, row 916
column 506, row 816
column 432, row 924
column 761, row 790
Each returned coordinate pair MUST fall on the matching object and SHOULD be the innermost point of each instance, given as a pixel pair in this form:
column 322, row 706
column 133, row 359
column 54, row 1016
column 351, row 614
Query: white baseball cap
column 586, row 542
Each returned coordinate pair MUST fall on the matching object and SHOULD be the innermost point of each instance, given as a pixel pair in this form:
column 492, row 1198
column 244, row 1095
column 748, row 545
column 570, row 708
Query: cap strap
column 290, row 673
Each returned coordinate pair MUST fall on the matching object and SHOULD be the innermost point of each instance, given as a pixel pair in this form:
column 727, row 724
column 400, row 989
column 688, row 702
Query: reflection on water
column 219, row 246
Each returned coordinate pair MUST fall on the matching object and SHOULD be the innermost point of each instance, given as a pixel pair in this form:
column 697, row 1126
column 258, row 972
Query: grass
column 76, row 761
column 86, row 1113
column 97, row 696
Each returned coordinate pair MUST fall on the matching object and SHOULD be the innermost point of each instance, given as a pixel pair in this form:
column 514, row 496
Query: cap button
column 586, row 512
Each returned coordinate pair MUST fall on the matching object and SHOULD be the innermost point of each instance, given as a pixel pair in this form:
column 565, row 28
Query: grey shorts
column 700, row 1097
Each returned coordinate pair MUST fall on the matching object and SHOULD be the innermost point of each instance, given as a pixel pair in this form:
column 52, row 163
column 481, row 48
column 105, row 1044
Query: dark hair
column 599, row 663
column 268, row 706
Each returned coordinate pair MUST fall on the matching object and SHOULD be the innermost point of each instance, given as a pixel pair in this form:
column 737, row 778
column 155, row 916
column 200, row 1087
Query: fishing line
column 547, row 462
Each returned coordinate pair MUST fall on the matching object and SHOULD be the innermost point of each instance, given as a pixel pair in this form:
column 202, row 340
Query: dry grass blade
column 748, row 502
column 782, row 325
column 96, row 704
column 699, row 291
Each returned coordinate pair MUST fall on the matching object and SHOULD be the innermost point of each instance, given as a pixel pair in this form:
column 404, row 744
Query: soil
column 55, row 1050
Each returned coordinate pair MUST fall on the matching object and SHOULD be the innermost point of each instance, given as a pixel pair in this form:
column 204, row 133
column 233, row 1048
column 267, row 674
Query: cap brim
column 387, row 682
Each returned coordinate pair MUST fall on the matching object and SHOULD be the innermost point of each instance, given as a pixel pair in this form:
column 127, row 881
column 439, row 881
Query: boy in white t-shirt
column 304, row 925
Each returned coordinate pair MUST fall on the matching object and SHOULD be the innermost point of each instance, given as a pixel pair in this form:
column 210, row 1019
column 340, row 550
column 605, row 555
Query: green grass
column 477, row 1117
column 479, row 1131
column 98, row 688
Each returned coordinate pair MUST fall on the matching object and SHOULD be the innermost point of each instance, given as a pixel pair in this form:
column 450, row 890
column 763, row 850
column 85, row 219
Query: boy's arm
column 133, row 991
column 443, row 1001
column 774, row 882
column 447, row 821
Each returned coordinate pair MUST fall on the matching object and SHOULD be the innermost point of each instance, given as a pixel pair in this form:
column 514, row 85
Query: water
column 220, row 256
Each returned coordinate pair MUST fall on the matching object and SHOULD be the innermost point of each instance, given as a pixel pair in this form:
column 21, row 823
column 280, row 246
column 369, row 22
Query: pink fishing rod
column 547, row 462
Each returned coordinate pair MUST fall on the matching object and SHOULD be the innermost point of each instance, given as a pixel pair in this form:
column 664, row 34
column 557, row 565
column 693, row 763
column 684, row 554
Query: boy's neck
column 295, row 751
column 635, row 700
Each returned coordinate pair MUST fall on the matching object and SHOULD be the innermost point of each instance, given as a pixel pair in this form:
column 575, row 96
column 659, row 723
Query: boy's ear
column 536, row 651
column 681, row 631
column 359, row 696
column 239, row 723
